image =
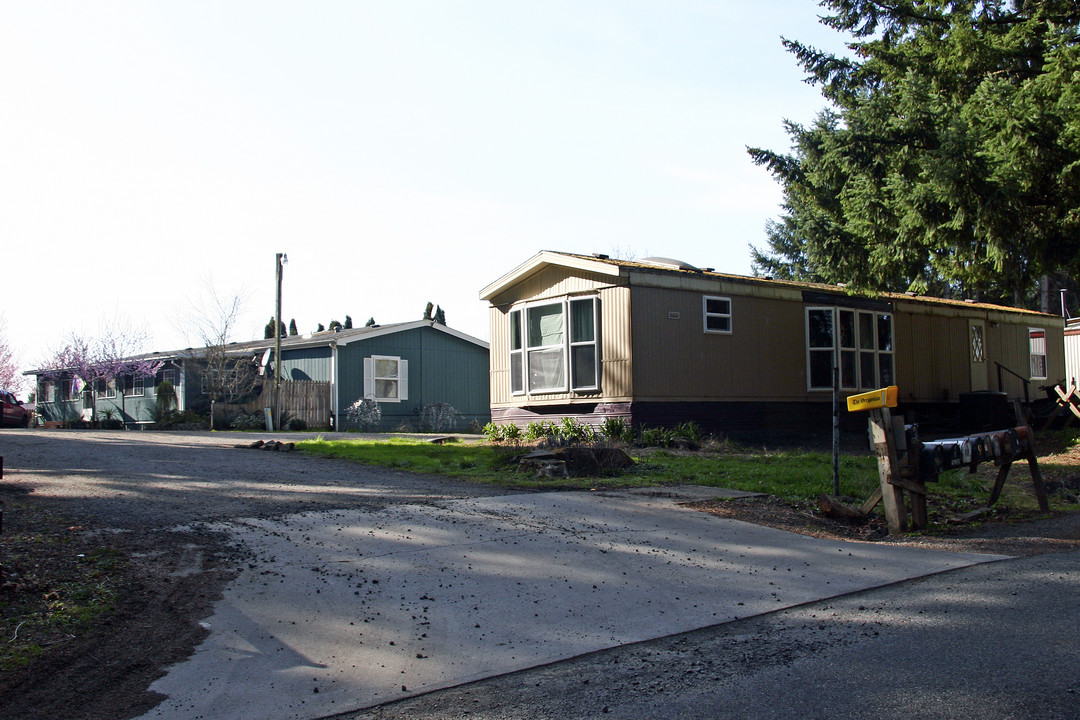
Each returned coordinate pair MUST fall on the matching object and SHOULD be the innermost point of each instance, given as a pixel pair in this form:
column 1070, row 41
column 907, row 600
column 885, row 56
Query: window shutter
column 403, row 380
column 369, row 378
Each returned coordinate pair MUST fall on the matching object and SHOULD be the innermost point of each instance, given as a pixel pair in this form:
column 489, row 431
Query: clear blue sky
column 400, row 152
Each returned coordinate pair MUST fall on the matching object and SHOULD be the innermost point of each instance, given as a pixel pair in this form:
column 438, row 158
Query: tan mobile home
column 659, row 342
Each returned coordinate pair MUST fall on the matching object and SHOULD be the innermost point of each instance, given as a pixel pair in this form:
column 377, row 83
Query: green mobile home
column 404, row 368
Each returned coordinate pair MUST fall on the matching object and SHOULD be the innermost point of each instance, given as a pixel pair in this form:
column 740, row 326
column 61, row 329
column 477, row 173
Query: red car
column 15, row 415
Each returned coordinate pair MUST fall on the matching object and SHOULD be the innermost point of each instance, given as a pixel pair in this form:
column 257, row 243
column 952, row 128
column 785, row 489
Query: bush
column 297, row 425
column 616, row 429
column 500, row 433
column 247, row 422
column 364, row 414
column 438, row 417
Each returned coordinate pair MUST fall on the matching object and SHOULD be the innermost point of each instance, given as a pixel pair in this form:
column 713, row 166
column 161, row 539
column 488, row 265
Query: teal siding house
column 404, row 368
column 412, row 371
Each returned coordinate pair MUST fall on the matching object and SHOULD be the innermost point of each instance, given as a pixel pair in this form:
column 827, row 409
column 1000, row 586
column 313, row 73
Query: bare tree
column 213, row 319
column 10, row 377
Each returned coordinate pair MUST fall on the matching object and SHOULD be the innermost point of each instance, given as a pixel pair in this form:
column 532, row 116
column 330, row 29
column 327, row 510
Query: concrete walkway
column 348, row 609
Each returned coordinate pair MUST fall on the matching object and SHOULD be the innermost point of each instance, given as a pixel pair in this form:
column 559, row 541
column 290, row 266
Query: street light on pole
column 280, row 260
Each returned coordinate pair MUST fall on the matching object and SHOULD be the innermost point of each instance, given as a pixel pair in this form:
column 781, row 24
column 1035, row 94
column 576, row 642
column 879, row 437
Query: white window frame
column 583, row 384
column 46, row 391
column 171, row 375
column 109, row 391
column 860, row 347
column 371, row 380
column 1037, row 352
column 517, row 336
column 555, row 349
column 138, row 385
column 706, row 315
column 567, row 347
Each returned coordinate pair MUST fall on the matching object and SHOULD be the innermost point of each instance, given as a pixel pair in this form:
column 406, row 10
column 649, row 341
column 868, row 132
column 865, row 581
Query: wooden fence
column 305, row 400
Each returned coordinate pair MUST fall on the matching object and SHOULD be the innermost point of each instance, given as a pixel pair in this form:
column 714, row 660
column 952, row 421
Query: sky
column 398, row 152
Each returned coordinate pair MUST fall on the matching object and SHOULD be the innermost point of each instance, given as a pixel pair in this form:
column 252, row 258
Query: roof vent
column 669, row 263
column 601, row 256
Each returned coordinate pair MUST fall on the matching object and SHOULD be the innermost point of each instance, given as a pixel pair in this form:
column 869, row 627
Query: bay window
column 553, row 347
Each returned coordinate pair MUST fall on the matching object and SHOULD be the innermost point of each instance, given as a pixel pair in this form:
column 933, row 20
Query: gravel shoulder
column 122, row 514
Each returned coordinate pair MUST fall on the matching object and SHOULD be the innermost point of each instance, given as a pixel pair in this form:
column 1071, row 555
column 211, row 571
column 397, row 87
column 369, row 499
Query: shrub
column 539, row 430
column 570, row 431
column 438, row 417
column 689, row 430
column 247, row 422
column 364, row 414
column 615, row 429
column 298, row 425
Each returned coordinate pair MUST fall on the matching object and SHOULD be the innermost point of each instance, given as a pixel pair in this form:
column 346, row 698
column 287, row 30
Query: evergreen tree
column 292, row 327
column 335, row 325
column 949, row 161
column 370, row 322
column 268, row 331
column 348, row 322
column 320, row 328
column 440, row 316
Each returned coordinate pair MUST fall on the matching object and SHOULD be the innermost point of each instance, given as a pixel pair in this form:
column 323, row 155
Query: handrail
column 1018, row 376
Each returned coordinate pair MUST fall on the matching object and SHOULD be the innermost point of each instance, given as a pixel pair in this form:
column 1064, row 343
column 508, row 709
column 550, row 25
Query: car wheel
column 25, row 421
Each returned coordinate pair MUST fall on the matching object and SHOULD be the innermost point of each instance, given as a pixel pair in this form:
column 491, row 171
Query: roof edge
column 543, row 259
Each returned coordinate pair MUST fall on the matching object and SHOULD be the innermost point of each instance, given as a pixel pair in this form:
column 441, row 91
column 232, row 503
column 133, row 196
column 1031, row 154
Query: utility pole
column 279, row 261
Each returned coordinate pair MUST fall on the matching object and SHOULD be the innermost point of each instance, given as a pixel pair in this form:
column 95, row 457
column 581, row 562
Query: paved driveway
column 366, row 585
column 347, row 609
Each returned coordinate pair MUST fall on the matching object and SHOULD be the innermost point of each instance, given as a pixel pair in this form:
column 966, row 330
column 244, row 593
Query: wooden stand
column 899, row 469
column 892, row 494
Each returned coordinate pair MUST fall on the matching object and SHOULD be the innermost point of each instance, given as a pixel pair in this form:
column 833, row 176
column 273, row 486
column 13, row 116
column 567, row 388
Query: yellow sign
column 885, row 397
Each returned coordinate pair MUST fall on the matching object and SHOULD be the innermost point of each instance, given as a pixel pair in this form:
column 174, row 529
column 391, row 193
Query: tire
column 25, row 421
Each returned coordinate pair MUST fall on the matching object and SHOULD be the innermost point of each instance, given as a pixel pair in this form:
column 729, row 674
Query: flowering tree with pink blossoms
column 112, row 357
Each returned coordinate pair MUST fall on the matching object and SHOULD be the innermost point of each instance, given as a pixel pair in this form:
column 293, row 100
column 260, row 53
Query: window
column 517, row 355
column 135, row 385
column 861, row 343
column 1037, row 349
column 978, row 345
column 168, row 376
column 46, row 391
column 546, row 347
column 105, row 388
column 554, row 346
column 584, row 368
column 717, row 314
column 386, row 378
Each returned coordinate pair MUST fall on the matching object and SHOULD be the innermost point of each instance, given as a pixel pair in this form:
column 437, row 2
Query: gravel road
column 991, row 641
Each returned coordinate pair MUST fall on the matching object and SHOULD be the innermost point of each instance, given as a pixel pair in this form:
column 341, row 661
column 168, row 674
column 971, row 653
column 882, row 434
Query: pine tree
column 949, row 161
column 348, row 322
column 292, row 327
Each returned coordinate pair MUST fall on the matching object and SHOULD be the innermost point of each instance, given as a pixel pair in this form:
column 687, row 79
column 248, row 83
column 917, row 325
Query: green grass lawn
column 789, row 475
column 796, row 477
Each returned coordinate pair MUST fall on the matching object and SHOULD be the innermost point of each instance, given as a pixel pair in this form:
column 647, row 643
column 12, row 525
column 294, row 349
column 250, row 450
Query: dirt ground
column 131, row 578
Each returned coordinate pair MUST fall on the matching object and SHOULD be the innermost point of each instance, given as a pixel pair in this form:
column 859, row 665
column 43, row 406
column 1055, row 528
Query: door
column 980, row 374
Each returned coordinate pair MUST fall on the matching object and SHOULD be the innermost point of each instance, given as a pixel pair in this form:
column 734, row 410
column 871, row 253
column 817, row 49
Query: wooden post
column 1036, row 474
column 892, row 496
